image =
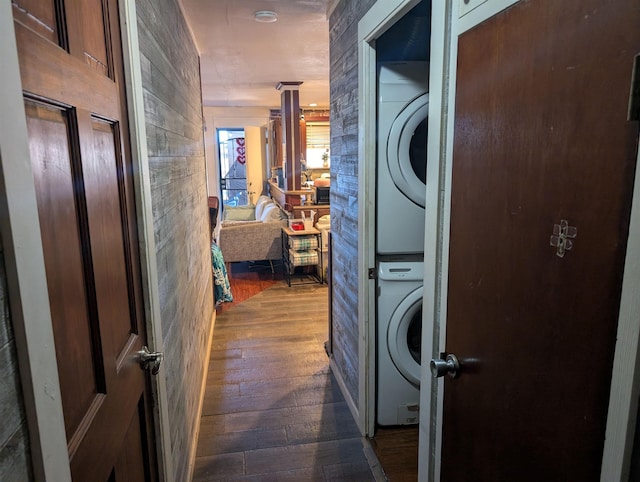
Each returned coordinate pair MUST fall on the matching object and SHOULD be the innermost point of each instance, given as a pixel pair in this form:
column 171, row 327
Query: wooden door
column 72, row 75
column 541, row 136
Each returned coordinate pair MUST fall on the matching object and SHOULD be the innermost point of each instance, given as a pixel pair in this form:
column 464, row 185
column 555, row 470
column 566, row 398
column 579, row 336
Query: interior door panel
column 541, row 137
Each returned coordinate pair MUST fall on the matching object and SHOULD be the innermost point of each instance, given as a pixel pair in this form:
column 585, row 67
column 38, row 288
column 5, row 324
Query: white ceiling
column 242, row 61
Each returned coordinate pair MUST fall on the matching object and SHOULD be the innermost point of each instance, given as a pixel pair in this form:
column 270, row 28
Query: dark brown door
column 541, row 136
column 71, row 68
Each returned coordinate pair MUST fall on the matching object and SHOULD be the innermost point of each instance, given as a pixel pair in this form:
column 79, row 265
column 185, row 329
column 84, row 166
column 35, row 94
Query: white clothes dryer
column 399, row 332
column 403, row 108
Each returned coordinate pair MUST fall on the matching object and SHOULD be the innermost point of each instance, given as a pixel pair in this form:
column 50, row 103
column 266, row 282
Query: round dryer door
column 405, row 335
column 407, row 149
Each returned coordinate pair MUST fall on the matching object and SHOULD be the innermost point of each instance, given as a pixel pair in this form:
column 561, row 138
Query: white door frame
column 625, row 386
column 380, row 17
column 27, row 284
column 147, row 244
column 24, row 259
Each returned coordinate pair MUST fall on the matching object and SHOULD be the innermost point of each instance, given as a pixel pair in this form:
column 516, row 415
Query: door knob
column 449, row 366
column 150, row 360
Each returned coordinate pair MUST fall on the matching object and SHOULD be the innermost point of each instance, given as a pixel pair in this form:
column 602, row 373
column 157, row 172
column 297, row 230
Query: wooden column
column 290, row 112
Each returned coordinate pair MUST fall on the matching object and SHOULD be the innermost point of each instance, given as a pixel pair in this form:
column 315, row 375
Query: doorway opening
column 232, row 166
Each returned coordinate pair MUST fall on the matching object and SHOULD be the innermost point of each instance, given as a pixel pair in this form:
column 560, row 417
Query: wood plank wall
column 174, row 122
column 343, row 35
column 15, row 461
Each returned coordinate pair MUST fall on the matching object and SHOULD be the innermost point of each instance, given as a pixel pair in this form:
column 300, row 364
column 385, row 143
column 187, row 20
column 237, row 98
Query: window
column 232, row 167
column 318, row 143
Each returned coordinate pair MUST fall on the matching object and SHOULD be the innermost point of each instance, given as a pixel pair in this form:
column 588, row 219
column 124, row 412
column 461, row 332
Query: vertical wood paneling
column 344, row 186
column 15, row 460
column 174, row 124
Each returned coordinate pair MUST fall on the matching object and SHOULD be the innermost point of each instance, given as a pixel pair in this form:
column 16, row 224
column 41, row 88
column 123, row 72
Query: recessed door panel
column 63, row 226
column 95, row 46
column 102, row 173
column 41, row 18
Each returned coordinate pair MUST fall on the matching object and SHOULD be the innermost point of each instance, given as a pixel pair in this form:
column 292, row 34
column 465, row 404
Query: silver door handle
column 448, row 366
column 150, row 360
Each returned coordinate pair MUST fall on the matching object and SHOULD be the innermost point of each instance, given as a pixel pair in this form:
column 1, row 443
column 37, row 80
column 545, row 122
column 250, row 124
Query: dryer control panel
column 401, row 271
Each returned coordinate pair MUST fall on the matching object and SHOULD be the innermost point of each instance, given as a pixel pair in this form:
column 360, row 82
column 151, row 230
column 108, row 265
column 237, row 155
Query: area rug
column 248, row 279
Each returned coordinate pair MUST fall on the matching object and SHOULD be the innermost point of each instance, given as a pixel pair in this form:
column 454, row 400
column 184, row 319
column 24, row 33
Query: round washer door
column 407, row 149
column 405, row 334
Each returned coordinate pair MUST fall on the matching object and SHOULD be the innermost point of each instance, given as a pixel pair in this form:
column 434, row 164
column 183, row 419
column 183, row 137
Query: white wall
column 256, row 161
column 226, row 117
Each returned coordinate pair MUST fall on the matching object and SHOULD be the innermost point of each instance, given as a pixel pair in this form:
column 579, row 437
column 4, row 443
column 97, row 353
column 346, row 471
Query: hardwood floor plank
column 320, row 382
column 236, row 442
column 304, row 455
column 267, row 371
column 276, row 417
column 223, row 355
column 307, row 392
column 397, row 451
column 349, row 472
column 278, row 351
column 236, row 404
column 275, row 326
column 222, row 390
column 333, row 473
column 269, row 356
column 243, row 343
column 218, row 467
column 320, row 432
column 310, row 396
column 297, row 475
column 216, row 403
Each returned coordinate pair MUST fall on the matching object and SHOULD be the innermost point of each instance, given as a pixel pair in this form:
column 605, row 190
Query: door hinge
column 372, row 273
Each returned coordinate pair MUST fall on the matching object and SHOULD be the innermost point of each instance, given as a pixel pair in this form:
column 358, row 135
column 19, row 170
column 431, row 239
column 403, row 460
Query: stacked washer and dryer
column 403, row 104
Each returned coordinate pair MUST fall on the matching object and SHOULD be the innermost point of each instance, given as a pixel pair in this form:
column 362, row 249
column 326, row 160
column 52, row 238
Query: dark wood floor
column 272, row 408
column 249, row 279
column 397, row 452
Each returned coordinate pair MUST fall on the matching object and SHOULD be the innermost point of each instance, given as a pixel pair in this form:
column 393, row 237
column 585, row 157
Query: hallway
column 272, row 408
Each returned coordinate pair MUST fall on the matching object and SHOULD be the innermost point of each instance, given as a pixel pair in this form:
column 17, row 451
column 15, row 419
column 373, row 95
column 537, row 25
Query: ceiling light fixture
column 265, row 16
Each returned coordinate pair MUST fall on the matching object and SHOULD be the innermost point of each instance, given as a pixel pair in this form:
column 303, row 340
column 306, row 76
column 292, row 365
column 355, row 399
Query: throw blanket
column 221, row 288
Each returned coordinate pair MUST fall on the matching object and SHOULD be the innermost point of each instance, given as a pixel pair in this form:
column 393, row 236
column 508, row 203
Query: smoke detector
column 265, row 16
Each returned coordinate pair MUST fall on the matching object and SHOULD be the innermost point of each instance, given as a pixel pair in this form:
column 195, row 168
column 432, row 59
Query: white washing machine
column 399, row 332
column 403, row 109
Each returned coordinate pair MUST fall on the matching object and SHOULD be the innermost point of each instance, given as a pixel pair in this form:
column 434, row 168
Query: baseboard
column 347, row 396
column 374, row 462
column 369, row 453
column 203, row 387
